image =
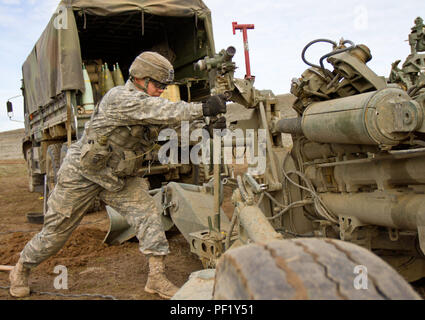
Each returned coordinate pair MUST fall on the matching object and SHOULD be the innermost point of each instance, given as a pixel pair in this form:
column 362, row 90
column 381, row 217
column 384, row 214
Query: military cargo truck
column 95, row 36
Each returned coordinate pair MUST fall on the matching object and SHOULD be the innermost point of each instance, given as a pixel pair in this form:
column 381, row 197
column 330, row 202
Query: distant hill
column 11, row 144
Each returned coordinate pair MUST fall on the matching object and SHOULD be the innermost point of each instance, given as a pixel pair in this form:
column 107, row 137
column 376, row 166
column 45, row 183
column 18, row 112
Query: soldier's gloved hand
column 214, row 105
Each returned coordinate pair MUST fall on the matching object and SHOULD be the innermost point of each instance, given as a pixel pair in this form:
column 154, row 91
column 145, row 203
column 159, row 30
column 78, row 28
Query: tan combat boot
column 18, row 277
column 157, row 281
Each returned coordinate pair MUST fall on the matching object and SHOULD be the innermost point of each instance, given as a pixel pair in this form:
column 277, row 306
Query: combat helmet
column 154, row 66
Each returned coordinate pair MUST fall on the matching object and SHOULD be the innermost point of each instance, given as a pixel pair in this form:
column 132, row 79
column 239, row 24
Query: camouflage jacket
column 126, row 106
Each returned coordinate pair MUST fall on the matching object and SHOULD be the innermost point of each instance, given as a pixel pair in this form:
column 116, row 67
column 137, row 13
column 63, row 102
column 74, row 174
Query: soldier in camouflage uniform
column 101, row 164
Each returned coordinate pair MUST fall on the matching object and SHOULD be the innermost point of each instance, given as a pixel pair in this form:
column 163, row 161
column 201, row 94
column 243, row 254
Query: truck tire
column 53, row 156
column 64, row 150
column 307, row 269
column 34, row 180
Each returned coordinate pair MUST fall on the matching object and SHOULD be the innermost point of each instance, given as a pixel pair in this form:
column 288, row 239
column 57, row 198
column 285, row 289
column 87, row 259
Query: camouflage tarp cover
column 175, row 8
column 54, row 64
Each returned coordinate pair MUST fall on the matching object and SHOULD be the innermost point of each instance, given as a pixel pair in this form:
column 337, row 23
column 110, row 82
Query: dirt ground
column 93, row 267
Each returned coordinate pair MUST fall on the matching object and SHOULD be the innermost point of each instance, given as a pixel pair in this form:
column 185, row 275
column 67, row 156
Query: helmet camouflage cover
column 152, row 65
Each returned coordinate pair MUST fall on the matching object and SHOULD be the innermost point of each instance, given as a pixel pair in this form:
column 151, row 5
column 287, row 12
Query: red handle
column 244, row 28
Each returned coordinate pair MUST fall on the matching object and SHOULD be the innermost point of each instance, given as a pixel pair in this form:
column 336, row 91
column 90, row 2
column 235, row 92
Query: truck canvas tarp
column 112, row 29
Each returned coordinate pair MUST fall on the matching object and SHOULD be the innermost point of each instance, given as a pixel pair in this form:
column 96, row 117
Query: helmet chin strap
column 138, row 86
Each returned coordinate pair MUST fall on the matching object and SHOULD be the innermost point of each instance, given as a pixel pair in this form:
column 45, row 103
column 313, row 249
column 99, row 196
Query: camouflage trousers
column 72, row 197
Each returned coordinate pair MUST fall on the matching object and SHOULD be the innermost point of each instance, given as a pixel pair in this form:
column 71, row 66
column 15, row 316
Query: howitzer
column 352, row 179
column 349, row 190
column 354, row 172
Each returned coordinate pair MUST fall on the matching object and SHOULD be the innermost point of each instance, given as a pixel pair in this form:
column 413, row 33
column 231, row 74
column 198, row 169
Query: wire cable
column 321, row 207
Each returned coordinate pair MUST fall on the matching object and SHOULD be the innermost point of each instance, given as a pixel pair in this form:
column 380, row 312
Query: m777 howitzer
column 359, row 153
column 340, row 213
column 344, row 209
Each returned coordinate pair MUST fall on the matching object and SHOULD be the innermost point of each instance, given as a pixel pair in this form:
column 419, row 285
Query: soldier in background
column 102, row 164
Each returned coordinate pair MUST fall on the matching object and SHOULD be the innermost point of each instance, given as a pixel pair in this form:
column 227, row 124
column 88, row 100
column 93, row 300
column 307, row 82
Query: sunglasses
column 158, row 85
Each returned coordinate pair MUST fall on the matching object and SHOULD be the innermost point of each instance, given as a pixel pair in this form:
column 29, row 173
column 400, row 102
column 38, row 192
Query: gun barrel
column 383, row 117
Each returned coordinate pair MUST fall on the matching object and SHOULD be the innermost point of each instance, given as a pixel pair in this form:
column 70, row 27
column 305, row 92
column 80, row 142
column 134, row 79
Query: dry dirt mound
column 11, row 144
column 83, row 245
column 93, row 267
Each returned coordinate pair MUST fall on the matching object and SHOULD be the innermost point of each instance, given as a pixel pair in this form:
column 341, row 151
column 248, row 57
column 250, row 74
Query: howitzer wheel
column 307, row 269
column 64, row 150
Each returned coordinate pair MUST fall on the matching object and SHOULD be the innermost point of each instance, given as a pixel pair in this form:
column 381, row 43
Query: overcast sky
column 282, row 29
